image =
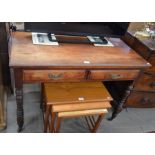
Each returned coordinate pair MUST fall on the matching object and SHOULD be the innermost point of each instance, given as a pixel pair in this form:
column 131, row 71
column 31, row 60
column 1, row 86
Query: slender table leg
column 97, row 123
column 118, row 108
column 46, row 118
column 58, row 124
column 19, row 98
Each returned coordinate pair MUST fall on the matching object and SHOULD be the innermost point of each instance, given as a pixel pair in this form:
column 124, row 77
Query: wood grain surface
column 145, row 83
column 83, row 113
column 25, row 54
column 61, row 93
column 81, row 106
column 141, row 100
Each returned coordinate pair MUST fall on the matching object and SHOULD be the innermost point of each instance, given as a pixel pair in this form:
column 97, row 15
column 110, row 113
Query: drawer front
column 113, row 74
column 145, row 83
column 53, row 75
column 141, row 100
column 151, row 70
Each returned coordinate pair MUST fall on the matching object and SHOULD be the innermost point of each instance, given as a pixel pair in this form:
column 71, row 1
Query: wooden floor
column 131, row 120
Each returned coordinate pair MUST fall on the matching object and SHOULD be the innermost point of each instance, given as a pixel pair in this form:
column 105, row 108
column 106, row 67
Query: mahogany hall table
column 72, row 63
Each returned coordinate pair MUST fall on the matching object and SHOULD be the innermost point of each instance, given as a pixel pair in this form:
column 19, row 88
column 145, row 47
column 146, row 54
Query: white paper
column 81, row 98
column 92, row 39
column 42, row 39
column 86, row 62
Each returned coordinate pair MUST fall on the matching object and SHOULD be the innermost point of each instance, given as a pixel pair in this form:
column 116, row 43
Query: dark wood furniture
column 69, row 100
column 4, row 53
column 5, row 80
column 72, row 63
column 143, row 94
column 2, row 101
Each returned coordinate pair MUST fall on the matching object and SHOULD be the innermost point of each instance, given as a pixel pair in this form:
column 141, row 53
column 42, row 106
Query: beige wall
column 19, row 25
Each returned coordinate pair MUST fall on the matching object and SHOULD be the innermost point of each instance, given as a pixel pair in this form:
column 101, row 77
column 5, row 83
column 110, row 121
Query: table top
column 76, row 92
column 27, row 55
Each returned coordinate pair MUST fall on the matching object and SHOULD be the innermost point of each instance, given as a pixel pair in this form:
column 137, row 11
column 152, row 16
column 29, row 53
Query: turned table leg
column 20, row 111
column 19, row 98
column 118, row 108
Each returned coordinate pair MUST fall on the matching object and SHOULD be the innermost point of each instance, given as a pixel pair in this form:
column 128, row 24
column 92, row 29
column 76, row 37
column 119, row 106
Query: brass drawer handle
column 152, row 84
column 116, row 76
column 145, row 100
column 55, row 76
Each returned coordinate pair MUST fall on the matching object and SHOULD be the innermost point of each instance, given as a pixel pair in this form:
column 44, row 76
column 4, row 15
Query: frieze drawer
column 53, row 75
column 113, row 74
